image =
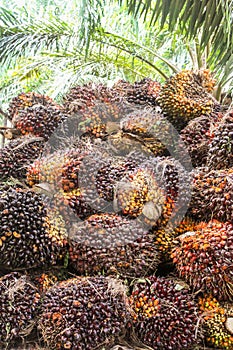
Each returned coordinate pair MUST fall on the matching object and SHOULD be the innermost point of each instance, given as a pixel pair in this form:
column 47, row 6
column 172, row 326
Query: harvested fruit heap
column 112, row 244
column 217, row 322
column 31, row 234
column 117, row 177
column 84, row 313
column 204, row 259
column 165, row 315
column 19, row 306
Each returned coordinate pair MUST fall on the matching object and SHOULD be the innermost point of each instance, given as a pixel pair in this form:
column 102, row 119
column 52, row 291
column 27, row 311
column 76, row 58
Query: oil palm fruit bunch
column 84, row 314
column 31, row 233
column 185, row 96
column 81, row 97
column 165, row 314
column 212, row 195
column 17, row 154
column 197, row 136
column 220, row 155
column 19, row 307
column 204, row 259
column 112, row 244
column 39, row 120
column 217, row 322
column 143, row 92
column 151, row 129
column 138, row 194
column 29, row 99
column 165, row 236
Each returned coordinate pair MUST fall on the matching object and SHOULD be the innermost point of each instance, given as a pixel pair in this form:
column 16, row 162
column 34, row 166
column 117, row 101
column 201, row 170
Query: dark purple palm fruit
column 29, row 99
column 39, row 120
column 220, row 155
column 17, row 154
column 19, row 307
column 212, row 195
column 165, row 314
column 112, row 244
column 197, row 136
column 204, row 259
column 32, row 234
column 84, row 314
column 143, row 92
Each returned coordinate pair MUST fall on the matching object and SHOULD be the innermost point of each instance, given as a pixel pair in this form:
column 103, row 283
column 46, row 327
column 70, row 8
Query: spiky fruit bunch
column 212, row 195
column 204, row 259
column 32, row 235
column 81, row 97
column 84, row 314
column 216, row 320
column 141, row 92
column 17, row 155
column 38, row 120
column 183, row 98
column 29, row 99
column 139, row 194
column 220, row 155
column 19, row 306
column 164, row 237
column 165, row 314
column 110, row 243
column 149, row 128
column 196, row 136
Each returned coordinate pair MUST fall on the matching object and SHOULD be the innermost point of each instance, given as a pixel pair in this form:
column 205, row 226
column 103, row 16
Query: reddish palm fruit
column 204, row 259
column 39, row 120
column 183, row 98
column 220, row 155
column 197, row 136
column 17, row 155
column 29, row 99
column 84, row 314
column 165, row 315
column 164, row 237
column 143, row 92
column 81, row 97
column 217, row 322
column 32, row 234
column 109, row 243
column 212, row 195
column 19, row 306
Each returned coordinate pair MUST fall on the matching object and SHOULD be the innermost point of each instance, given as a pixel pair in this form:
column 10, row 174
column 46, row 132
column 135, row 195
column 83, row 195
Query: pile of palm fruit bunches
column 116, row 218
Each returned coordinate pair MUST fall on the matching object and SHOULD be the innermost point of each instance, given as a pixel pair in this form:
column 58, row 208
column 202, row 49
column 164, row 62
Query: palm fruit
column 165, row 314
column 164, row 236
column 38, row 120
column 31, row 233
column 217, row 322
column 138, row 194
column 204, row 259
column 109, row 243
column 143, row 92
column 197, row 135
column 19, row 307
column 81, row 97
column 45, row 279
column 185, row 97
column 212, row 195
column 17, row 155
column 220, row 155
column 29, row 99
column 149, row 128
column 84, row 314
